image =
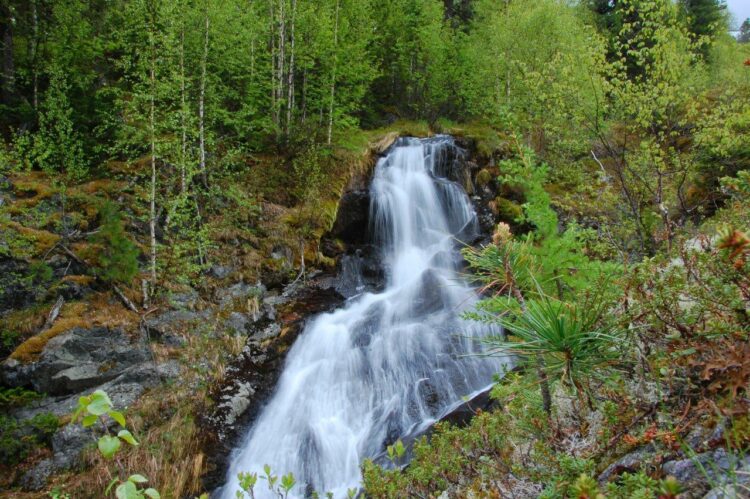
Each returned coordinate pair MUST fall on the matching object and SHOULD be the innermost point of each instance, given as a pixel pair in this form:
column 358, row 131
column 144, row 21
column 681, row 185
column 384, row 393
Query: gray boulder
column 77, row 360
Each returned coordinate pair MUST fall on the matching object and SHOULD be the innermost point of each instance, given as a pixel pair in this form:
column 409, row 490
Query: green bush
column 19, row 438
column 118, row 260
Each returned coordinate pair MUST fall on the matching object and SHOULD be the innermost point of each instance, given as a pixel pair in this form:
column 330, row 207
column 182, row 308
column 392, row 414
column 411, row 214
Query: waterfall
column 389, row 363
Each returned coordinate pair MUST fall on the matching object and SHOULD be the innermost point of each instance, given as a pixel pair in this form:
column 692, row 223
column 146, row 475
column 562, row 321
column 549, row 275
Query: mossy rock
column 483, row 178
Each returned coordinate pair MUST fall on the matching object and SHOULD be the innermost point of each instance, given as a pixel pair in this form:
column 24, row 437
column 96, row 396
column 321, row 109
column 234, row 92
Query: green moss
column 484, row 177
column 19, row 438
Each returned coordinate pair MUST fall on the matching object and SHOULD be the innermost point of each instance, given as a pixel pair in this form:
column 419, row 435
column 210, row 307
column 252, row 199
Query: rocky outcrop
column 252, row 376
column 76, row 360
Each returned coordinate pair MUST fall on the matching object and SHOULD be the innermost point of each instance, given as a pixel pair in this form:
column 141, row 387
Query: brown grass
column 169, row 453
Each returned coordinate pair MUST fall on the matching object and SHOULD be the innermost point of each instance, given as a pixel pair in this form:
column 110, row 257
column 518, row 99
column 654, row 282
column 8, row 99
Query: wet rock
column 240, row 291
column 252, row 376
column 284, row 255
column 67, row 445
column 430, row 299
column 15, row 291
column 352, row 218
column 629, row 463
column 123, row 390
column 72, row 290
column 171, row 326
column 77, row 360
column 236, row 401
column 464, row 413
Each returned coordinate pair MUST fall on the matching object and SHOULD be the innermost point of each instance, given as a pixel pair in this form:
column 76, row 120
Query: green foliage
column 249, row 480
column 19, row 438
column 572, row 338
column 396, row 451
column 706, row 19
column 57, row 146
column 118, row 259
column 744, row 35
column 444, row 460
column 96, row 408
column 17, row 396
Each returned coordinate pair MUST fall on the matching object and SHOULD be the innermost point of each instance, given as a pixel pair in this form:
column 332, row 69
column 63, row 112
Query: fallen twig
column 53, row 313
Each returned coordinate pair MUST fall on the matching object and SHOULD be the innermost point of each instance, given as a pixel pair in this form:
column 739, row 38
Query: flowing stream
column 387, row 364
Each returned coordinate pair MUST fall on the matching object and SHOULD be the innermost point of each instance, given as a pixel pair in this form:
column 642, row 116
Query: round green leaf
column 99, row 405
column 152, row 493
column 108, row 445
column 127, row 490
column 138, row 478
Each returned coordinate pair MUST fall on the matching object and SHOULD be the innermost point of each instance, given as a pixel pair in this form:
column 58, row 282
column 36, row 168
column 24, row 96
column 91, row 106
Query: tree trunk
column 290, row 75
column 183, row 117
column 9, row 71
column 152, row 130
column 281, row 63
column 274, row 54
column 202, row 105
column 333, row 75
column 34, row 55
column 304, row 95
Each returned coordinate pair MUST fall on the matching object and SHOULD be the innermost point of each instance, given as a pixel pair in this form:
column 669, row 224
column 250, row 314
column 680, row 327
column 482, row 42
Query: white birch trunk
column 333, row 76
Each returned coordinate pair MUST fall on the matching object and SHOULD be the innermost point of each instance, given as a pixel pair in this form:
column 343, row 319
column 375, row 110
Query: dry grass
column 169, row 454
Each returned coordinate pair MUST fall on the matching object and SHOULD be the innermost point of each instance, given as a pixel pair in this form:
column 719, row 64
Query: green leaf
column 100, row 403
column 287, row 482
column 128, row 437
column 117, row 416
column 152, row 493
column 138, row 478
column 399, row 447
column 127, row 490
column 89, row 420
column 108, row 445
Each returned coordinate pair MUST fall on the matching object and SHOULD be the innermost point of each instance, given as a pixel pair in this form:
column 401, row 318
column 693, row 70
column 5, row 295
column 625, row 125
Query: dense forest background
column 184, row 92
column 149, row 145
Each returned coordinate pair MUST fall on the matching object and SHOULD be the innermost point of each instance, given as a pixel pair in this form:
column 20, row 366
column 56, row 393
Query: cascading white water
column 387, row 364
